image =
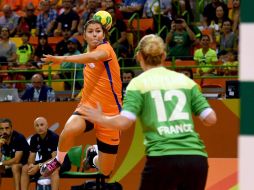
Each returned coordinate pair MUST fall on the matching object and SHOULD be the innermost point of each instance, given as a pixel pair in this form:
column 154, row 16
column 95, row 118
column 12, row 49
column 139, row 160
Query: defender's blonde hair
column 152, row 48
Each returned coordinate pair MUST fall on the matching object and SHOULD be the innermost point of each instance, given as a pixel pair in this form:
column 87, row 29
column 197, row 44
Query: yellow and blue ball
column 104, row 18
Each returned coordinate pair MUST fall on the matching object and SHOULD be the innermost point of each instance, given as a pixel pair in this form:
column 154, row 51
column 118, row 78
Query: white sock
column 60, row 156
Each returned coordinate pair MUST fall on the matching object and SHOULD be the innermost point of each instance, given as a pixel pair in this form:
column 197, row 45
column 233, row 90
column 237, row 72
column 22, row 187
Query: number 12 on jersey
column 177, row 112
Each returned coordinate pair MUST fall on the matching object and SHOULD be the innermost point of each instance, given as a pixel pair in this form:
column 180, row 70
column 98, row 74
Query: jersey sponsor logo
column 175, row 129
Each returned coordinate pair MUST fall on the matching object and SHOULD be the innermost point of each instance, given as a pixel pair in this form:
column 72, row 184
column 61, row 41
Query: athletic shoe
column 49, row 167
column 91, row 152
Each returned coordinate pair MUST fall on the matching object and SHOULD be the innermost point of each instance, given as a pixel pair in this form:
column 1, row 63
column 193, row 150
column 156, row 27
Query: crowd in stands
column 210, row 38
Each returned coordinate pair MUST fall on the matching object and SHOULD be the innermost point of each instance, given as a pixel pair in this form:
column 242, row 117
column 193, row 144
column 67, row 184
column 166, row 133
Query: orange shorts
column 104, row 134
column 108, row 136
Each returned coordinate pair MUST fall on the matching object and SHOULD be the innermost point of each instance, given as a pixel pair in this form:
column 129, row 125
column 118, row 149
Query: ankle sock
column 60, row 156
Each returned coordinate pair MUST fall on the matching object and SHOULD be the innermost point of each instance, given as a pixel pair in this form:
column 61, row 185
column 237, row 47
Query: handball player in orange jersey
column 102, row 84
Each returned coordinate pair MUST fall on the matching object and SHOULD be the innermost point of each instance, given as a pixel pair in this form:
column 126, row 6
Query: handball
column 104, row 18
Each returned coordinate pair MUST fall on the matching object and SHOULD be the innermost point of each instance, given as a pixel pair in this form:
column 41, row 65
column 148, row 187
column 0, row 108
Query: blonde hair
column 152, row 48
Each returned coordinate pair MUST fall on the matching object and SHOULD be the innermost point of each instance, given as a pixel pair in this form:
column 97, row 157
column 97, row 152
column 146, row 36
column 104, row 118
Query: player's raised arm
column 84, row 58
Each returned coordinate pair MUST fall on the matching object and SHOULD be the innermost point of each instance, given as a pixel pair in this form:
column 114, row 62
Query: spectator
column 8, row 54
column 87, row 15
column 228, row 39
column 205, row 56
column 83, row 20
column 80, row 6
column 61, row 47
column 180, row 40
column 210, row 10
column 219, row 16
column 24, row 61
column 14, row 150
column 27, row 23
column 127, row 75
column 206, row 29
column 46, row 20
column 38, row 92
column 43, row 146
column 72, row 46
column 69, row 17
column 132, row 6
column 151, row 8
column 154, row 10
column 182, row 8
column 120, row 44
column 231, row 64
column 234, row 15
column 42, row 48
column 106, row 4
column 9, row 20
column 25, row 51
column 216, row 24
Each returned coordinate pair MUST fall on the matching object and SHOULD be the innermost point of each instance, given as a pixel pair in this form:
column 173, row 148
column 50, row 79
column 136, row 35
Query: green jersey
column 164, row 101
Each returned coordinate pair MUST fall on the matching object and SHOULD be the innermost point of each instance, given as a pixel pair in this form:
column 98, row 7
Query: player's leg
column 160, row 173
column 195, row 170
column 107, row 147
column 106, row 158
column 102, row 157
column 73, row 127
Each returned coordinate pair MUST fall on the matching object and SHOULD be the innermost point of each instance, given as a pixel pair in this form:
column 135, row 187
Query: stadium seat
column 57, row 86
column 144, row 24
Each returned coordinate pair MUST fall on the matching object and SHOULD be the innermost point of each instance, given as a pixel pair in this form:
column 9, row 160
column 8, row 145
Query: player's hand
column 52, row 59
column 94, row 115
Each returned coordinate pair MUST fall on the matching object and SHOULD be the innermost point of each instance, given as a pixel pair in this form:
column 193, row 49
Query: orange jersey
column 102, row 83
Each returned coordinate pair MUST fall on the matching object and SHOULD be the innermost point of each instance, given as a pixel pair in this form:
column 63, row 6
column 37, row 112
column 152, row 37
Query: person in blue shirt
column 38, row 92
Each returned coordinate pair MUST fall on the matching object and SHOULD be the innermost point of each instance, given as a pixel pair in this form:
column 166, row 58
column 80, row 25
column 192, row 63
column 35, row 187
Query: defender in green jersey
column 164, row 101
